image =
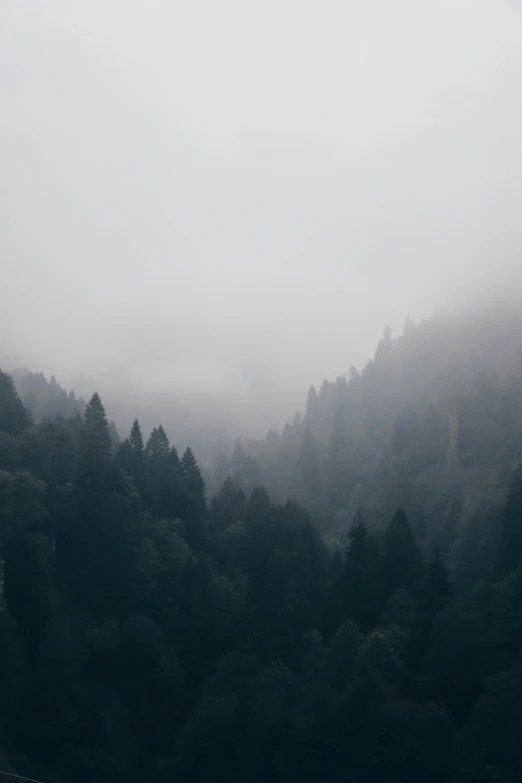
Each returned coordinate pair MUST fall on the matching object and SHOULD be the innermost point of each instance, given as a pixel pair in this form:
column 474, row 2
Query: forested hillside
column 149, row 634
column 433, row 423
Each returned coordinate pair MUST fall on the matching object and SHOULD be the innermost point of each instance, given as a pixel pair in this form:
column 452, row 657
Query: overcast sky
column 219, row 195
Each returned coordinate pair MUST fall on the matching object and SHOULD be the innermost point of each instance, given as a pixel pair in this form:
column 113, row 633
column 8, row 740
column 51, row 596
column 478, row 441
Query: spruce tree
column 13, row 416
column 95, row 440
column 136, row 438
column 95, row 554
column 359, row 586
column 228, row 506
column 312, row 407
column 402, row 560
column 193, row 500
column 158, row 447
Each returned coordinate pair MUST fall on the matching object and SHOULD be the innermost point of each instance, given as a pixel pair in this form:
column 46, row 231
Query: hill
column 432, row 423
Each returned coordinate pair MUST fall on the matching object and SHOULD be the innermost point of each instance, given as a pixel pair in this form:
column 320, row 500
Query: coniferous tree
column 359, row 588
column 193, row 500
column 96, row 555
column 131, row 457
column 13, row 415
column 136, row 439
column 312, row 407
column 402, row 565
column 228, row 506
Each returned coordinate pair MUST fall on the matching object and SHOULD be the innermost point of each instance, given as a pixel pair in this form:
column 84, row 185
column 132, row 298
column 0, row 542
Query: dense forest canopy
column 341, row 600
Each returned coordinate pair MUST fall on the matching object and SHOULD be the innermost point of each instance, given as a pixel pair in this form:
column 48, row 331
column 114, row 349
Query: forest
column 341, row 600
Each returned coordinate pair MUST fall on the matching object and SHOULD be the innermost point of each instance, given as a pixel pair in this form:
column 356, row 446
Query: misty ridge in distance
column 182, row 213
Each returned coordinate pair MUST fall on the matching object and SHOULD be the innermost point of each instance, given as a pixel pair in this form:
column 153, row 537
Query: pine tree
column 95, row 442
column 162, row 480
column 13, row 416
column 158, row 446
column 96, row 554
column 131, row 456
column 193, row 500
column 312, row 408
column 359, row 599
column 136, row 438
column 228, row 506
column 402, row 560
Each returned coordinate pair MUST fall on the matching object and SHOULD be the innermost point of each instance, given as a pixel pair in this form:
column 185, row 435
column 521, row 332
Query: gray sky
column 226, row 195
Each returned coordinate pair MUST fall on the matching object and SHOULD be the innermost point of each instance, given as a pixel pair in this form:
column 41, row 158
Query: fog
column 233, row 199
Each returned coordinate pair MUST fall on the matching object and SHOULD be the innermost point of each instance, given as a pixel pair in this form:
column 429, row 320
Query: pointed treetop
column 402, row 559
column 136, row 438
column 13, row 415
column 96, row 439
column 312, row 406
column 188, row 461
column 353, row 375
column 174, row 458
column 158, row 446
column 312, row 395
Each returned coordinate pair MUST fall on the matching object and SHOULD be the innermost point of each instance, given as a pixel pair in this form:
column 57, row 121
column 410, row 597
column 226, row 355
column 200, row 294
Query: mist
column 227, row 202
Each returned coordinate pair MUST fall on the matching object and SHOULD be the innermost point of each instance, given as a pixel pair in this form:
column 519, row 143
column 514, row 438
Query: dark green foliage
column 13, row 416
column 193, row 504
column 359, row 585
column 402, row 565
column 147, row 637
column 227, row 507
column 136, row 439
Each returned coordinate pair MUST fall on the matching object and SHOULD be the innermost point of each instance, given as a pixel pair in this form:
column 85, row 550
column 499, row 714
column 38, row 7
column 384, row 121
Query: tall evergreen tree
column 402, row 565
column 95, row 442
column 13, row 416
column 96, row 555
column 228, row 506
column 359, row 589
column 136, row 438
column 193, row 500
column 312, row 407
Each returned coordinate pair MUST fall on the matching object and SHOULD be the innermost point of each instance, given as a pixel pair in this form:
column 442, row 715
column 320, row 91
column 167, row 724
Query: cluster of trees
column 433, row 424
column 46, row 398
column 146, row 634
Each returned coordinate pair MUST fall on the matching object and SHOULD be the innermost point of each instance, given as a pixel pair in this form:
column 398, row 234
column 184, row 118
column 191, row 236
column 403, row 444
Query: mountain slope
column 433, row 423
